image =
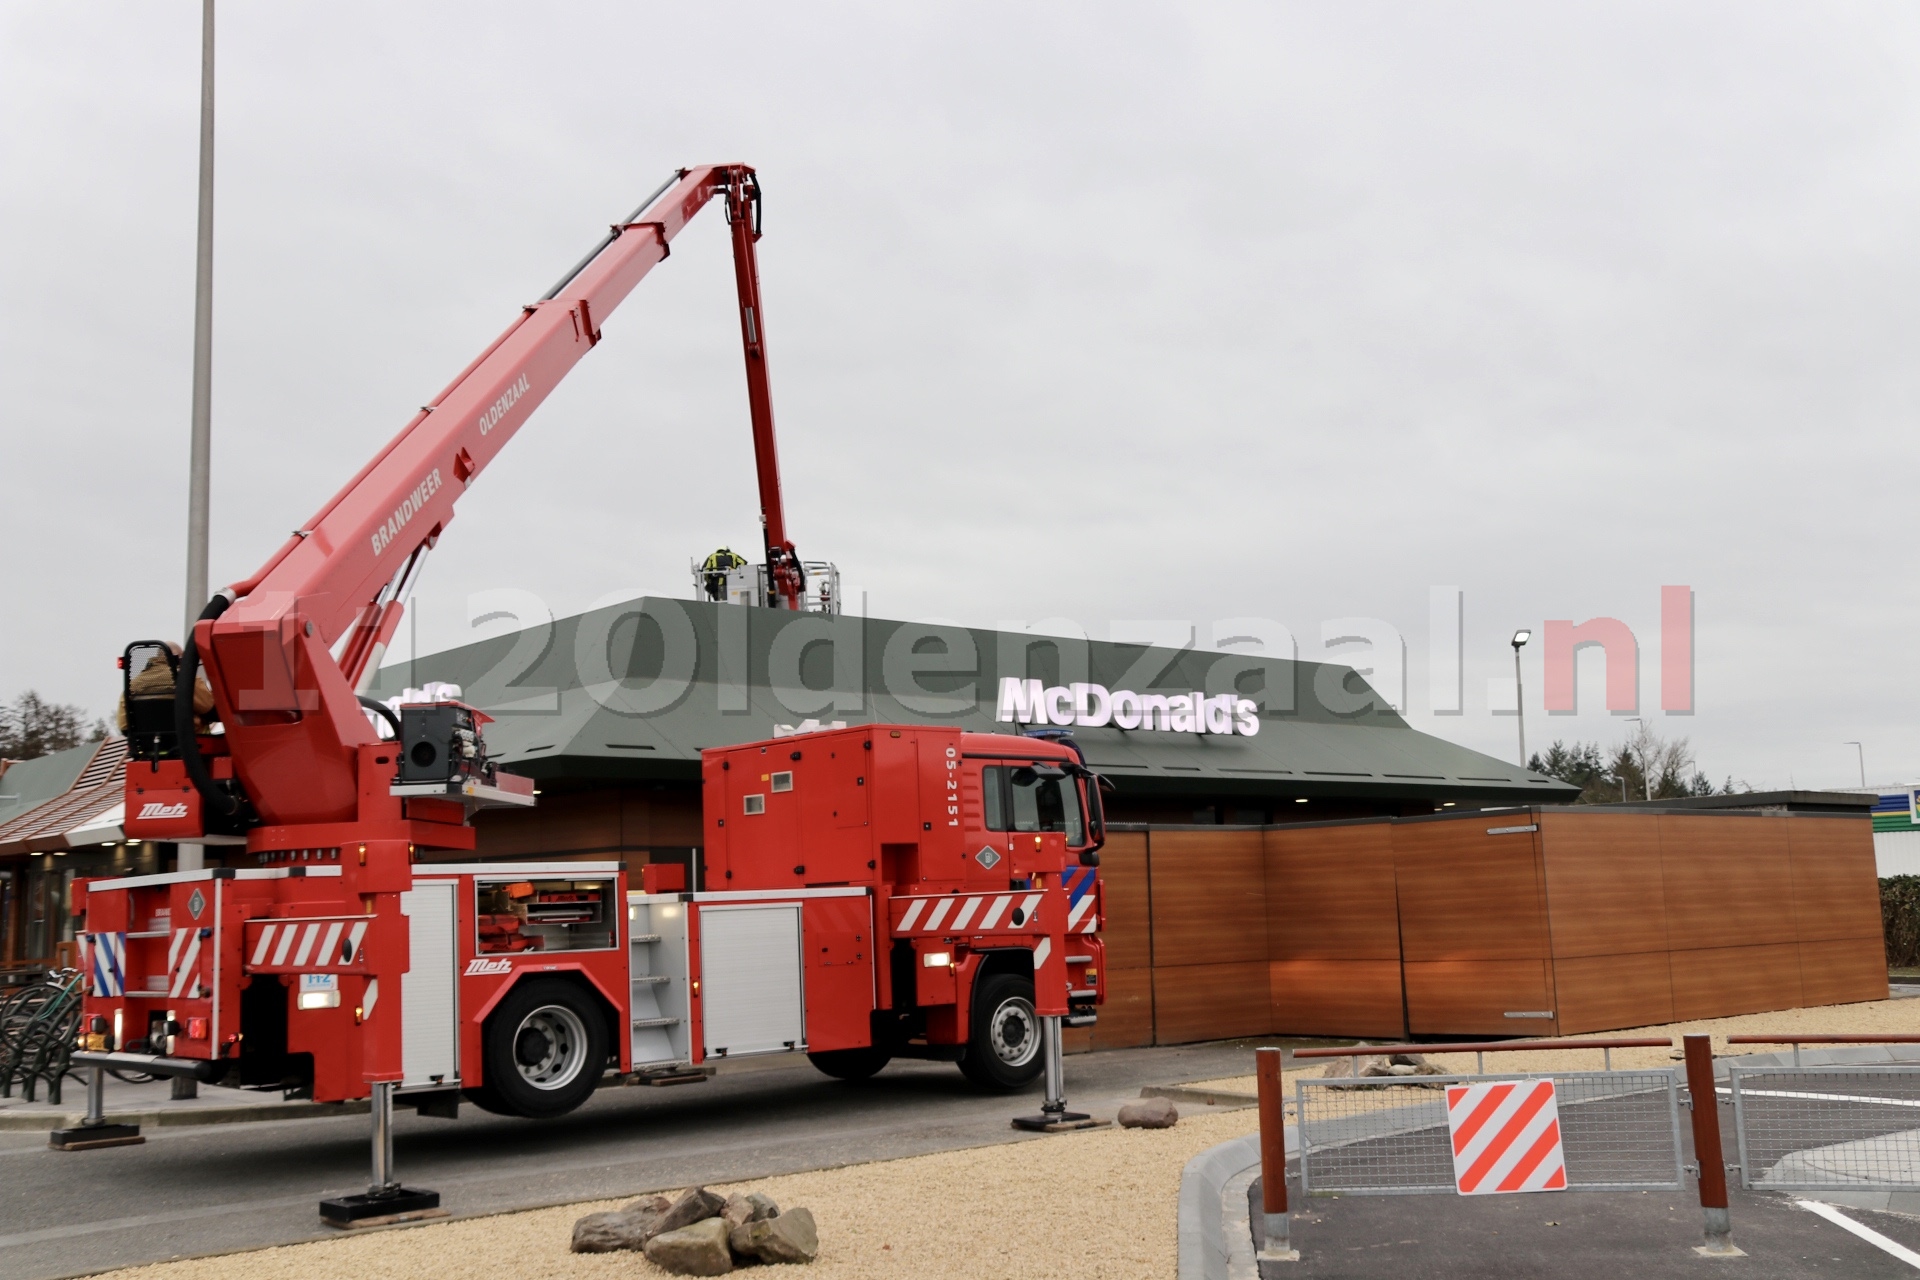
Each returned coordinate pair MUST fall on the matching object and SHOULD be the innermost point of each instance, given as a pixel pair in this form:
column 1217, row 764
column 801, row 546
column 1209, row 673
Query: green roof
column 26, row 783
column 635, row 690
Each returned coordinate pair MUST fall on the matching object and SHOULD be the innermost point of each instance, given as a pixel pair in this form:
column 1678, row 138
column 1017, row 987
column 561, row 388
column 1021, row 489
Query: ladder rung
column 1088, row 994
column 1079, row 959
column 639, row 1023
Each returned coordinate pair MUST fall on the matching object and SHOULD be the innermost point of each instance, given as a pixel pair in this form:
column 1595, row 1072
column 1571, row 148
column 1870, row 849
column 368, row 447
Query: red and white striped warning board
column 1506, row 1137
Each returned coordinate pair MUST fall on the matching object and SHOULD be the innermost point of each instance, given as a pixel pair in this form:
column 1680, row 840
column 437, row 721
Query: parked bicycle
column 38, row 1026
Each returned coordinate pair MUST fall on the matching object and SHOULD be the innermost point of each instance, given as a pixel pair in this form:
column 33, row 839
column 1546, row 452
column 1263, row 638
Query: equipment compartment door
column 750, row 990
column 429, row 990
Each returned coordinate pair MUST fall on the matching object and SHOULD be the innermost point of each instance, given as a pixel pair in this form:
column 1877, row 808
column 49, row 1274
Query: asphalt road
column 218, row 1188
column 1582, row 1236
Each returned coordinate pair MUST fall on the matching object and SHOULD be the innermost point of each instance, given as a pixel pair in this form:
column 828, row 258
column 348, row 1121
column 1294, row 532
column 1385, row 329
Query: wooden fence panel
column 1843, row 971
column 1330, row 893
column 1474, row 997
column 1729, row 881
column 1606, row 993
column 1605, row 891
column 1337, row 998
column 1468, row 895
column 1209, row 898
column 1720, row 982
column 1194, row 1002
column 1836, row 886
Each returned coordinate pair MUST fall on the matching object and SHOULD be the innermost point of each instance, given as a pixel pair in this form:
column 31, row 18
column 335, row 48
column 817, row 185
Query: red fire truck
column 875, row 892
column 866, row 893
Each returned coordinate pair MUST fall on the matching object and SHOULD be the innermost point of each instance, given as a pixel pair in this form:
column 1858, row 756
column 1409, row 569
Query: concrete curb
column 47, row 1121
column 1207, row 1249
column 1200, row 1097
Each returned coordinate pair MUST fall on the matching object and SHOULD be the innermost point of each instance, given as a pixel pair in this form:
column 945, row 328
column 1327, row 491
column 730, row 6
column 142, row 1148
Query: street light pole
column 192, row 857
column 1861, row 752
column 201, row 448
column 1519, row 641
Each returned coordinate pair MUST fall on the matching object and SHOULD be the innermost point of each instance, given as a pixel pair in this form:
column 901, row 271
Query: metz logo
column 477, row 967
column 154, row 811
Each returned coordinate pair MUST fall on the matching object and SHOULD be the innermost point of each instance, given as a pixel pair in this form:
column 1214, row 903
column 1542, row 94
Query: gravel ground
column 988, row 1212
column 1876, row 1017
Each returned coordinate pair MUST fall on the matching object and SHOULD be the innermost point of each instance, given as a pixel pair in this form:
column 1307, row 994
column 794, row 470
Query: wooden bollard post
column 1276, row 1225
column 1706, row 1148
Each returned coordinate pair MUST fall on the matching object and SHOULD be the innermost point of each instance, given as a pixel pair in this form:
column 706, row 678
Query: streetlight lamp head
column 1521, row 636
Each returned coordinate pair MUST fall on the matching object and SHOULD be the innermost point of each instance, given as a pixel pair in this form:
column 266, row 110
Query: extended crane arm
column 342, row 577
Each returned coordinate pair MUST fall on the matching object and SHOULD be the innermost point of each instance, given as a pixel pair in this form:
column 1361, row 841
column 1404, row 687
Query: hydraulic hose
column 219, row 802
column 384, row 711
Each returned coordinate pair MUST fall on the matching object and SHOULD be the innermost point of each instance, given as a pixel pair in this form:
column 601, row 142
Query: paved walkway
column 151, row 1103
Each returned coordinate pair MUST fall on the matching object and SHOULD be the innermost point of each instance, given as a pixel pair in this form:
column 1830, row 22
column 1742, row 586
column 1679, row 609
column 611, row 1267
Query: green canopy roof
column 635, row 690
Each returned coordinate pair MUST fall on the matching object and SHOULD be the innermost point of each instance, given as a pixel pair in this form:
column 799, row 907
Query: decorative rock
column 1347, row 1068
column 697, row 1250
column 790, row 1237
column 624, row 1228
column 696, row 1204
column 741, row 1209
column 1149, row 1113
column 1401, row 1065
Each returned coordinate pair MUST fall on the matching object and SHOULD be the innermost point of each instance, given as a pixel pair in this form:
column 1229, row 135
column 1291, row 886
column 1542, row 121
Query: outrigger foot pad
column 396, row 1205
column 1058, row 1122
column 85, row 1137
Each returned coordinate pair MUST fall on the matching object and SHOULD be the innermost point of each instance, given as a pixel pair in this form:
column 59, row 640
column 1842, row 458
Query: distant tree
column 32, row 727
column 1644, row 767
column 1580, row 764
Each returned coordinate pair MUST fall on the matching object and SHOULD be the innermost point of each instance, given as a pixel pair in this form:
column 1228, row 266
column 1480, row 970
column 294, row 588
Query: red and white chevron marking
column 1083, row 918
column 961, row 913
column 307, row 944
column 1506, row 1137
column 183, row 959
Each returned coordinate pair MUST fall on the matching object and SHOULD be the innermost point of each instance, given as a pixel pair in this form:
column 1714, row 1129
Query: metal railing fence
column 1831, row 1127
column 1620, row 1131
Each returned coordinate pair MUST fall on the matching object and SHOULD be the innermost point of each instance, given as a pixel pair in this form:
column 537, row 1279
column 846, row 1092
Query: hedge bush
column 1900, row 913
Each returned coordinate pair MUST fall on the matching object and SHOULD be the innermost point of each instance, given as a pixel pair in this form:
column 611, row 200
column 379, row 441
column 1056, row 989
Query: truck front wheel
column 1003, row 1043
column 545, row 1048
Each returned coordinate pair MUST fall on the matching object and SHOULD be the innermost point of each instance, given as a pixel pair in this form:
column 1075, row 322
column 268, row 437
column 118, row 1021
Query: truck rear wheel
column 1003, row 1042
column 850, row 1064
column 544, row 1050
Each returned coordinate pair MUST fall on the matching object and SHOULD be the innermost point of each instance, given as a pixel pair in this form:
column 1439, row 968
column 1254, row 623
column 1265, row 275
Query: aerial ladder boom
column 289, row 650
column 786, row 579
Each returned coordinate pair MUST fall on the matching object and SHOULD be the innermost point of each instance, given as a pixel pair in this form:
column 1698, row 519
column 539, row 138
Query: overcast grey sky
column 1097, row 312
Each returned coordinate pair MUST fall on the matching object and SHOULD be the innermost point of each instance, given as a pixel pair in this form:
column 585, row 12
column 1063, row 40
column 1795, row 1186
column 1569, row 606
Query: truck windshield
column 1015, row 799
